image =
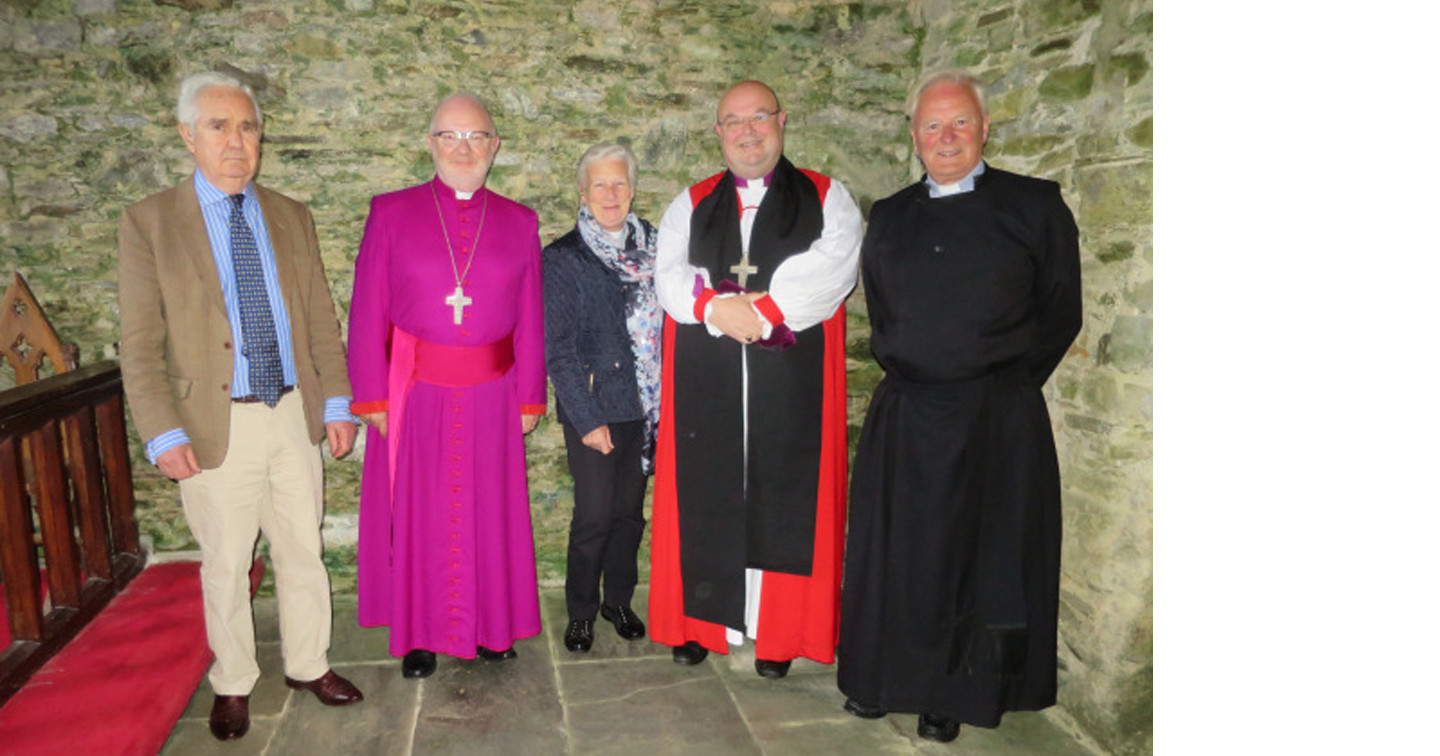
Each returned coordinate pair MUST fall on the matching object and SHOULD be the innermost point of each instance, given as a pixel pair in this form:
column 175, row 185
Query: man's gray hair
column 188, row 113
column 606, row 151
column 946, row 76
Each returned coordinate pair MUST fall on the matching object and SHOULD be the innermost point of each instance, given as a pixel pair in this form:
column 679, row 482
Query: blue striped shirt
column 215, row 207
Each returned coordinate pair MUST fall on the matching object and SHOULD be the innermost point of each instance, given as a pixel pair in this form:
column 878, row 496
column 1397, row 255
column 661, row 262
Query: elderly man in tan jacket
column 234, row 370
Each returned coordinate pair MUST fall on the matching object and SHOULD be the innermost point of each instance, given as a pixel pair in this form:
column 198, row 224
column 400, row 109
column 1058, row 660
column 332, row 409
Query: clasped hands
column 736, row 317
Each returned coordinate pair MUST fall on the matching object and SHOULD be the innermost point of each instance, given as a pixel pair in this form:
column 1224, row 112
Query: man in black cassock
column 952, row 562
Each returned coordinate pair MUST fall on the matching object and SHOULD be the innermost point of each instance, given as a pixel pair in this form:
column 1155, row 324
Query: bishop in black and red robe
column 748, row 525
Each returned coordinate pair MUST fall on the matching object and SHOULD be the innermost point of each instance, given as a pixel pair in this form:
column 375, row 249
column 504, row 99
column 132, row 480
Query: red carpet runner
column 122, row 683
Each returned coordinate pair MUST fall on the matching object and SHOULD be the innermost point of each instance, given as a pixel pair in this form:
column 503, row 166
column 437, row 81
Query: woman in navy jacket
column 602, row 351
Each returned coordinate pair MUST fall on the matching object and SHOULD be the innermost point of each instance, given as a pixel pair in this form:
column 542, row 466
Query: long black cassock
column 952, row 565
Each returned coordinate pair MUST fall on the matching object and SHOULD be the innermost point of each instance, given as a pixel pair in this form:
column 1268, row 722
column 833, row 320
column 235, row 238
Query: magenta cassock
column 446, row 555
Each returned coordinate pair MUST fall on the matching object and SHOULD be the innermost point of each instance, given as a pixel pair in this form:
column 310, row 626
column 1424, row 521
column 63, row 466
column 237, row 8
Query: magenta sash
column 445, row 365
column 414, row 360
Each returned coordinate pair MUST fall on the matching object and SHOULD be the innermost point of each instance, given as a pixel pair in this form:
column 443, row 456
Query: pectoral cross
column 458, row 300
column 744, row 269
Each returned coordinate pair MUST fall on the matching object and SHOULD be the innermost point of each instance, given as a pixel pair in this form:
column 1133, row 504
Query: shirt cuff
column 532, row 409
column 701, row 302
column 165, row 442
column 769, row 310
column 770, row 315
column 337, row 410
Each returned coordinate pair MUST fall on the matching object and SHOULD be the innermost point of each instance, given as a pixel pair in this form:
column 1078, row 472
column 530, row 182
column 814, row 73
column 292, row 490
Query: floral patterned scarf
column 634, row 262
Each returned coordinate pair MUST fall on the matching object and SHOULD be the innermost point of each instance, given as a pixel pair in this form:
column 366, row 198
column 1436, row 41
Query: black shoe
column 579, row 635
column 495, row 656
column 862, row 711
column 772, row 670
column 627, row 624
column 937, row 728
column 418, row 663
column 689, row 654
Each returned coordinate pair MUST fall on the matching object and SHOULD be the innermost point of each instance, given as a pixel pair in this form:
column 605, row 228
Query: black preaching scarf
column 729, row 522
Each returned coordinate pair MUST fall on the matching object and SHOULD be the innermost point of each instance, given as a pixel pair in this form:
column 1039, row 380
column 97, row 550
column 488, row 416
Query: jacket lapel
column 282, row 229
column 194, row 241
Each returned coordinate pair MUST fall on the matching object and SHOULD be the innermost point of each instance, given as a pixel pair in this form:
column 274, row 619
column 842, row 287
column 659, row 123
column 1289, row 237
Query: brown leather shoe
column 330, row 688
column 230, row 717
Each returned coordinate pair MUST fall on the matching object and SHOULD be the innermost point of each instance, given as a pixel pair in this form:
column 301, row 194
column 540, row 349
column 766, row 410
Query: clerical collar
column 459, row 195
column 966, row 184
column 741, row 183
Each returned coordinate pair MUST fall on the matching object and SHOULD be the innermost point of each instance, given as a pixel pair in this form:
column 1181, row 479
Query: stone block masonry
column 87, row 93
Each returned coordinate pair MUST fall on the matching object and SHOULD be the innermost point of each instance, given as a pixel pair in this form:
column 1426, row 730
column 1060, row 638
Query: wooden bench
column 103, row 676
column 66, row 498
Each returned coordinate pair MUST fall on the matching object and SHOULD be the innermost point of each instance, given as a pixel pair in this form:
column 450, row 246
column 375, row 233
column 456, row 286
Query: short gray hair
column 946, row 76
column 606, row 151
column 188, row 113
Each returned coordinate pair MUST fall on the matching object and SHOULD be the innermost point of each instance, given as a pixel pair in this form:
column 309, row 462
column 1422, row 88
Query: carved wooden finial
column 26, row 336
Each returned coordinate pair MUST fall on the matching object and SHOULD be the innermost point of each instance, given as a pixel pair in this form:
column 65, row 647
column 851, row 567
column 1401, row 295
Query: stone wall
column 86, row 96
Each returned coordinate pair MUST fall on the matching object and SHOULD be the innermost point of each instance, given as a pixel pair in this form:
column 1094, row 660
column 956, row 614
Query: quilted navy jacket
column 587, row 348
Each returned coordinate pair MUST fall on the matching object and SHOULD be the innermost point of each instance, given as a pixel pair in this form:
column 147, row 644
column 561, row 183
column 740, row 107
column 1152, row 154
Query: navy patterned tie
column 257, row 322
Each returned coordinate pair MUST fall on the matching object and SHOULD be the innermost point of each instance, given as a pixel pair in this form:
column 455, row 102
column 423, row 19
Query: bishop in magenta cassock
column 447, row 363
column 753, row 266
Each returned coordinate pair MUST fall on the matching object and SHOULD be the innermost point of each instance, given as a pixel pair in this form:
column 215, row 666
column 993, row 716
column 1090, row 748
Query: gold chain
column 450, row 247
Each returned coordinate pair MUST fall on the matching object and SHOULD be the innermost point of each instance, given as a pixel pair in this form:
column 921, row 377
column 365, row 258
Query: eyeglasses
column 451, row 139
column 759, row 121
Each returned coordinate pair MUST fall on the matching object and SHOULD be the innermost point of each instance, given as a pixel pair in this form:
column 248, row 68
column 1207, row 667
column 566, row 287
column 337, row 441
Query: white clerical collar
column 755, row 183
column 459, row 195
column 966, row 184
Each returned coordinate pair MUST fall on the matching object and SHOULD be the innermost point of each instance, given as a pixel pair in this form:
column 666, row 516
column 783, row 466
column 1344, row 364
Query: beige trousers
column 270, row 481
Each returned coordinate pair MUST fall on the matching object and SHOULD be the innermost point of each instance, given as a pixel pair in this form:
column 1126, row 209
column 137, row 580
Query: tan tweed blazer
column 175, row 343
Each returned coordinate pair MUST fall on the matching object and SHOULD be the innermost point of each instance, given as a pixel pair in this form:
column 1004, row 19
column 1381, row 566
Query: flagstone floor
column 621, row 698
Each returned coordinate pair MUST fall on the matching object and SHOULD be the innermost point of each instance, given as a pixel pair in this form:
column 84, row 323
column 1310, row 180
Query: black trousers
column 608, row 521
